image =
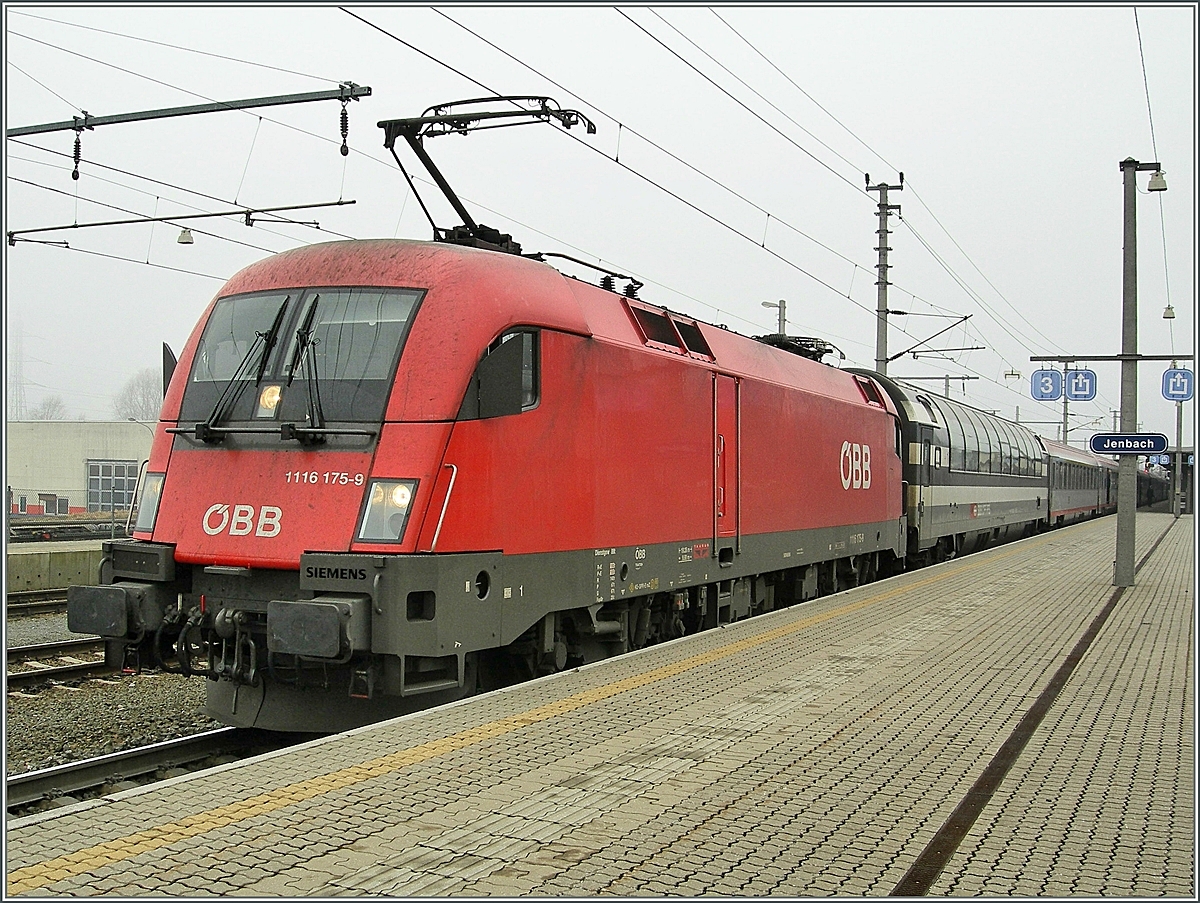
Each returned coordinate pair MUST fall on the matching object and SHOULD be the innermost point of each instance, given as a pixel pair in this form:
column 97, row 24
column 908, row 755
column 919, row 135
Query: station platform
column 1004, row 724
column 44, row 566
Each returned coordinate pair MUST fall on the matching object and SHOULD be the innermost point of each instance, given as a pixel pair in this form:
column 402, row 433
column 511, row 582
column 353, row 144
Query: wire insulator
column 606, row 282
column 345, row 129
column 78, row 156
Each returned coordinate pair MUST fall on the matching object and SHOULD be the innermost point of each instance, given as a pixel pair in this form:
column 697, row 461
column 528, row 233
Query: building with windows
column 63, row 467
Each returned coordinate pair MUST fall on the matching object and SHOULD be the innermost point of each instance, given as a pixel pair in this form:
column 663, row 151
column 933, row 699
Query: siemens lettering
column 315, row 573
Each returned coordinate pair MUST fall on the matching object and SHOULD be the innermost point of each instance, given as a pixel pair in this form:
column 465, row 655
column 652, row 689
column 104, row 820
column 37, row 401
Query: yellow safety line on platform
column 44, row 873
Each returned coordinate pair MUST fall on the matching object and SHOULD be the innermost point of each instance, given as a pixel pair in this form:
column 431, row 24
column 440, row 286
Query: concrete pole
column 1127, row 468
column 881, row 296
column 881, row 308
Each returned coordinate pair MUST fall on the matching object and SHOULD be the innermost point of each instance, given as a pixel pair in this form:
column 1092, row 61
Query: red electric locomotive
column 389, row 473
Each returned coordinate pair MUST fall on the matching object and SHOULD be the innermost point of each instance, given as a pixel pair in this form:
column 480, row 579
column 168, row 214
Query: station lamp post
column 1177, row 470
column 782, row 305
column 1127, row 468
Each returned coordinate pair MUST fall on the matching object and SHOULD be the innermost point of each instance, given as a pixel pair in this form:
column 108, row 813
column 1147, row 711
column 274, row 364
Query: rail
column 94, row 774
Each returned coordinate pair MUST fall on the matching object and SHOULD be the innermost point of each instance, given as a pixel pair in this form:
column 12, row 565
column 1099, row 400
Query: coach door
column 726, row 461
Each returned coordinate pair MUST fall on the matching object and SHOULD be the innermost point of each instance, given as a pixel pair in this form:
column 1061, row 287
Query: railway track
column 76, row 658
column 27, row 603
column 64, row 784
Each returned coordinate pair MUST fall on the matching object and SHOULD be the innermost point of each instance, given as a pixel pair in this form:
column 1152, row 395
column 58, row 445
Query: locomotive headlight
column 385, row 512
column 268, row 401
column 401, row 496
column 148, row 503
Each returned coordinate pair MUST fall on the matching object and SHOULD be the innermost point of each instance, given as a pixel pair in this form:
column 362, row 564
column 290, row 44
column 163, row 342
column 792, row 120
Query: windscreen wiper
column 303, row 354
column 208, row 431
column 316, row 431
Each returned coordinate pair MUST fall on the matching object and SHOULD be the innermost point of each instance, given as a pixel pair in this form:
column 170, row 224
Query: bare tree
column 49, row 408
column 141, row 397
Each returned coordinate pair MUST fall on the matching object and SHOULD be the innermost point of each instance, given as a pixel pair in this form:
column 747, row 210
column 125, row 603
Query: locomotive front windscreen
column 341, row 343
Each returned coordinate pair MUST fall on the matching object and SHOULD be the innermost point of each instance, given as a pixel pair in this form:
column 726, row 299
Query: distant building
column 63, row 467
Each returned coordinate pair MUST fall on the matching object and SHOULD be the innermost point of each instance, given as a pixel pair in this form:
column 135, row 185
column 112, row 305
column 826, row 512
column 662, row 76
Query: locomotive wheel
column 498, row 668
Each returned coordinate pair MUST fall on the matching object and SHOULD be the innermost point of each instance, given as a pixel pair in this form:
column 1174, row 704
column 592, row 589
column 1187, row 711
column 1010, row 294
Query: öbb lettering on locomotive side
column 389, row 474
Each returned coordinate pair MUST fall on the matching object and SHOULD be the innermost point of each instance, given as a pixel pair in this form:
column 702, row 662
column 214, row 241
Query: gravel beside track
column 66, row 724
column 48, row 628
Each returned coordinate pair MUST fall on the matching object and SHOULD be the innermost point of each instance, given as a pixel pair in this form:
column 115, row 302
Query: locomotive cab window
column 275, row 351
column 506, row 381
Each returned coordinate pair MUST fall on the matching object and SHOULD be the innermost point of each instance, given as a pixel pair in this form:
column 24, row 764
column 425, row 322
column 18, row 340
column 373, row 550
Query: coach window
column 506, row 380
column 970, row 441
column 994, row 438
column 978, row 458
column 958, row 439
column 1006, row 448
column 998, row 446
column 1035, row 452
column 944, row 416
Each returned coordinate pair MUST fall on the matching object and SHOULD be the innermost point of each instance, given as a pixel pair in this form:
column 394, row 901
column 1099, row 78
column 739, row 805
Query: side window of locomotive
column 506, row 381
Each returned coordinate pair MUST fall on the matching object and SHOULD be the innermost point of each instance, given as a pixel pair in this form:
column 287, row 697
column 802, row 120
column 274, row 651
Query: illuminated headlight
column 268, row 401
column 386, row 511
column 148, row 503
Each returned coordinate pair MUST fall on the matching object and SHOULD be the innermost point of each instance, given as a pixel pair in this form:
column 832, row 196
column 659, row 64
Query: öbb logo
column 240, row 520
column 856, row 466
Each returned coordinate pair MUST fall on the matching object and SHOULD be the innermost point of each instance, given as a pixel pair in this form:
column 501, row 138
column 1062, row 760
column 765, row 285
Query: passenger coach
column 971, row 477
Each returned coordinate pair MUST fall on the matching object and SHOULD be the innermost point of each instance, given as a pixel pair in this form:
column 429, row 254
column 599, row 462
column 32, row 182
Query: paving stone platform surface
column 812, row 751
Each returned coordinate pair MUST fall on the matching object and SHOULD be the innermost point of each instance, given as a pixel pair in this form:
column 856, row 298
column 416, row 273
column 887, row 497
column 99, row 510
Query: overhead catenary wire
column 624, row 166
column 740, row 103
column 219, row 56
column 319, row 137
column 275, row 217
column 493, row 91
column 45, row 87
column 755, row 238
column 625, row 127
column 908, row 185
column 464, row 75
column 135, row 213
column 753, row 90
column 1162, row 217
column 970, row 293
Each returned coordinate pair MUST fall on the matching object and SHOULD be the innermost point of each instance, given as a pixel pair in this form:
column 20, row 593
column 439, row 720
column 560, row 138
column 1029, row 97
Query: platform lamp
column 185, row 236
column 782, row 305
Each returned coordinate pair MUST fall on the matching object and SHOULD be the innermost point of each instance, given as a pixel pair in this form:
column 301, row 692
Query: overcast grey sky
column 1008, row 122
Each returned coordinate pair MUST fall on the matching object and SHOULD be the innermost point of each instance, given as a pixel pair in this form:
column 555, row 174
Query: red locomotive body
column 388, row 473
